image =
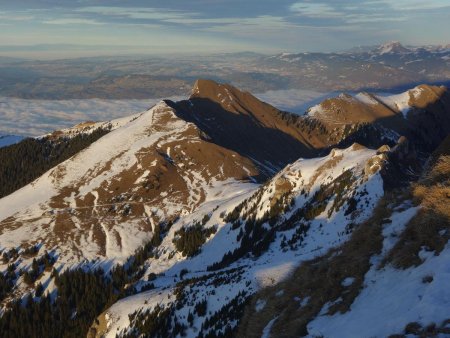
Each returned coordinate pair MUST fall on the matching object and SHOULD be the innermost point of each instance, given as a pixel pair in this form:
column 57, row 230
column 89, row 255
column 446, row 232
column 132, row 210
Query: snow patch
column 260, row 304
column 268, row 328
column 347, row 281
column 398, row 102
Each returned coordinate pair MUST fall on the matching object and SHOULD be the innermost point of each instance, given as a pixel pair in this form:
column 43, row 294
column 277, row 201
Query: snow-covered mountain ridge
column 113, row 182
column 174, row 224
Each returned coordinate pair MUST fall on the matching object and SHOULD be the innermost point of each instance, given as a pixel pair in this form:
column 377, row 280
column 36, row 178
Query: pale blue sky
column 161, row 26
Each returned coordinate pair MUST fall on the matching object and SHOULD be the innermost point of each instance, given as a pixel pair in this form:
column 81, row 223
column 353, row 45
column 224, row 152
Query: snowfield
column 392, row 298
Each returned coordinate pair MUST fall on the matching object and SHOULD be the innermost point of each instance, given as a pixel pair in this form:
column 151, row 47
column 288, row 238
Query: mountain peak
column 200, row 85
column 209, row 89
column 392, row 47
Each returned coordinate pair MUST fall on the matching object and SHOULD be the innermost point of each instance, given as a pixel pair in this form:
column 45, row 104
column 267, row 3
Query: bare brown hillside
column 239, row 121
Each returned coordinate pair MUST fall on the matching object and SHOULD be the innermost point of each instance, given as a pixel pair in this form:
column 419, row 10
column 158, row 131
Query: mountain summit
column 392, row 47
column 239, row 121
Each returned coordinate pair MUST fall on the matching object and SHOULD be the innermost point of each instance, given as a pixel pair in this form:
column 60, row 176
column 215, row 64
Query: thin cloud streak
column 255, row 25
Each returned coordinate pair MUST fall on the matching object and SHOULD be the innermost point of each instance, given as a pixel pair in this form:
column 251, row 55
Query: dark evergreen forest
column 22, row 163
column 80, row 297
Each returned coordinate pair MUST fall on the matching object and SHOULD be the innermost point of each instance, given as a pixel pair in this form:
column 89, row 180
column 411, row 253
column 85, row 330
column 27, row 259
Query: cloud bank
column 37, row 117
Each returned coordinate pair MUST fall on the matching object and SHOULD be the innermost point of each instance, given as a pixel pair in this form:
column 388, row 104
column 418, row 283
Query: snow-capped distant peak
column 392, row 47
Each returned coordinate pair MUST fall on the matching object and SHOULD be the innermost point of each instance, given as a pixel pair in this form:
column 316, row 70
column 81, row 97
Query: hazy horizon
column 54, row 52
column 86, row 28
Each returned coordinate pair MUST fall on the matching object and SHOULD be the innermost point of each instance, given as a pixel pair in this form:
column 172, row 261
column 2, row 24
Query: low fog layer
column 37, row 117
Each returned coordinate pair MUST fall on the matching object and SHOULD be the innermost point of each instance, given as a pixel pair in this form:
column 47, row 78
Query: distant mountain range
column 222, row 216
column 396, row 47
column 388, row 67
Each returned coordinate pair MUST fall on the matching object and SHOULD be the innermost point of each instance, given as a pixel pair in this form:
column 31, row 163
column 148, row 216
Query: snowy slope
column 84, row 203
column 390, row 301
column 392, row 298
column 401, row 102
column 326, row 231
column 217, row 236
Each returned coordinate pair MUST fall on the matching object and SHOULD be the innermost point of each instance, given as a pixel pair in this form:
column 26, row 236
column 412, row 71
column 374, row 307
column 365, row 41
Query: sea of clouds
column 37, row 117
column 294, row 100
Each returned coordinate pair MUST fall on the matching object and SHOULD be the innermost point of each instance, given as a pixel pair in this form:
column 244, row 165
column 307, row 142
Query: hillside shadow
column 425, row 126
column 270, row 149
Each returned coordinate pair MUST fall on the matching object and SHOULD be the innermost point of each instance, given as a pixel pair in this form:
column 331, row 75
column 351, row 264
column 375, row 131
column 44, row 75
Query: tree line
column 22, row 163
